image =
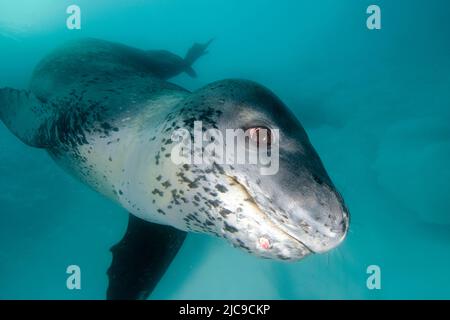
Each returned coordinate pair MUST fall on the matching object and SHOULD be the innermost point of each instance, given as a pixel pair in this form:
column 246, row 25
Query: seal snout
column 332, row 231
column 334, row 234
column 316, row 224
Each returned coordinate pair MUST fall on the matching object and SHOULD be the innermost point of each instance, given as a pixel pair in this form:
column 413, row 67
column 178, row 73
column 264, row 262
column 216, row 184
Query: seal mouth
column 267, row 217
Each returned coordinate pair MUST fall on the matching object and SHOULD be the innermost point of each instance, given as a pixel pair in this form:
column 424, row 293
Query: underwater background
column 375, row 104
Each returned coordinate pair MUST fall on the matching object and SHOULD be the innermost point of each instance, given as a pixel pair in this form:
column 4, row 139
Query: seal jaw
column 317, row 241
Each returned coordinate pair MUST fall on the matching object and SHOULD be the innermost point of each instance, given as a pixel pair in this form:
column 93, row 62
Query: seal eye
column 260, row 135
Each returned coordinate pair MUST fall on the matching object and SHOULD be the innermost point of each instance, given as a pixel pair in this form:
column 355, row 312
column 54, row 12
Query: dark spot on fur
column 221, row 188
column 242, row 244
column 224, row 212
column 158, row 192
column 214, row 203
column 229, row 228
column 317, row 179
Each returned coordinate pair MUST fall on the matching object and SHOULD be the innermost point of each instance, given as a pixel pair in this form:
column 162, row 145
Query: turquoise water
column 376, row 105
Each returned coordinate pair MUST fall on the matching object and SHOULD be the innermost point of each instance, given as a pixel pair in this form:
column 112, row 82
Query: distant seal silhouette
column 105, row 112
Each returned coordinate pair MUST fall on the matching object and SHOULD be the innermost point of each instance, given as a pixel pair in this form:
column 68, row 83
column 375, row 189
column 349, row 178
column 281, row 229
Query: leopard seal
column 106, row 113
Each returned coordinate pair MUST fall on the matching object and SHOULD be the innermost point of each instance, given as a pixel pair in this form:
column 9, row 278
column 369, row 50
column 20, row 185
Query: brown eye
column 260, row 135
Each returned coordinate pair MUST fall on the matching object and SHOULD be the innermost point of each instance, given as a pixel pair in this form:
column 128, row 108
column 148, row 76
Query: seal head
column 280, row 211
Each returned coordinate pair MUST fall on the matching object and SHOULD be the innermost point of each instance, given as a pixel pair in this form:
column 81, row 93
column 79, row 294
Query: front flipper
column 141, row 258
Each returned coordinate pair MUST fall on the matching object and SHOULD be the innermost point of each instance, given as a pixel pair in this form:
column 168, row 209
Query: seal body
column 106, row 113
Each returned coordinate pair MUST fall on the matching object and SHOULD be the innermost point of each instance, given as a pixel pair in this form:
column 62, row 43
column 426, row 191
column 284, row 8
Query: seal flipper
column 141, row 258
column 191, row 72
column 25, row 115
column 195, row 52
